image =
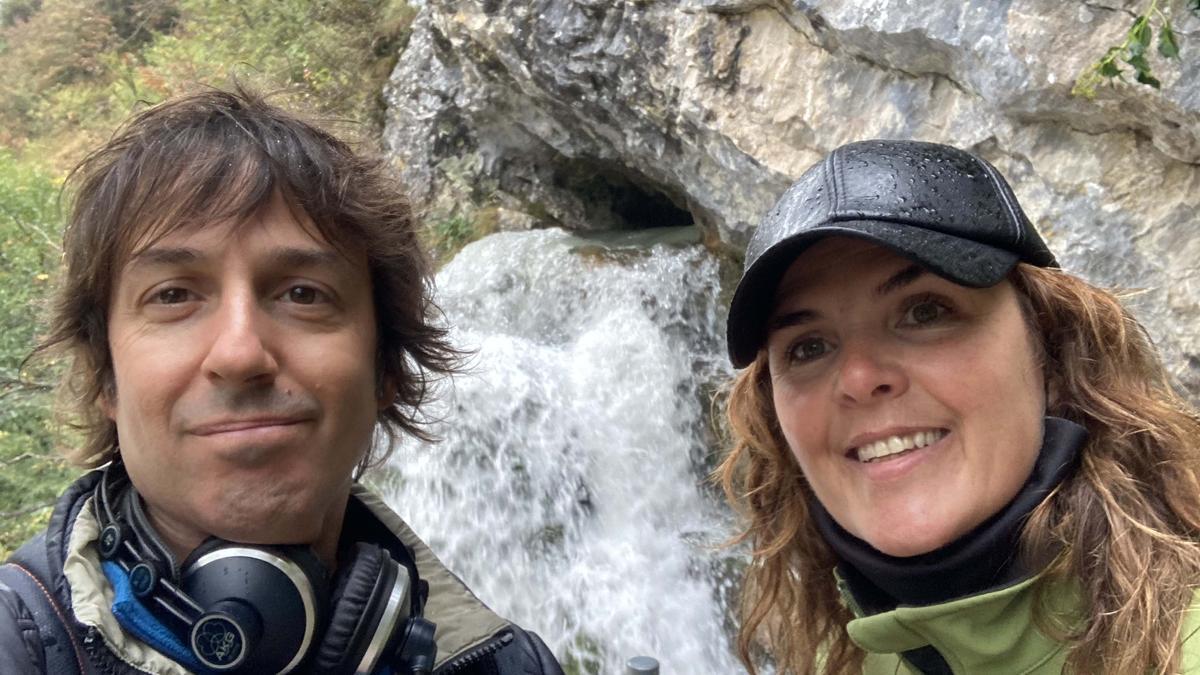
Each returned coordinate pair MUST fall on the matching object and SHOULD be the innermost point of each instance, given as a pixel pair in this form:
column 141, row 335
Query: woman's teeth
column 894, row 445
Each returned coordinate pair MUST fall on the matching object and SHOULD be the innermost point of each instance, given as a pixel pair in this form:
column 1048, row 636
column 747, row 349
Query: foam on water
column 567, row 490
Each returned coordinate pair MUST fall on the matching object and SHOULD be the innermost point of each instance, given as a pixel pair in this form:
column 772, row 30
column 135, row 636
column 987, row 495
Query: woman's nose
column 867, row 374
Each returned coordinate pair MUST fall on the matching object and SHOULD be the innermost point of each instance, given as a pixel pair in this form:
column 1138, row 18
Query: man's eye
column 172, row 296
column 807, row 349
column 303, row 295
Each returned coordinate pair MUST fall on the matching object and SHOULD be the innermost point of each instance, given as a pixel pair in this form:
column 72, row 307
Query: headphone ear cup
column 360, row 595
column 278, row 593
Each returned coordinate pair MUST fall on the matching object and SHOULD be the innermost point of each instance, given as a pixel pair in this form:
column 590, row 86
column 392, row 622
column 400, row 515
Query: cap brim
column 965, row 262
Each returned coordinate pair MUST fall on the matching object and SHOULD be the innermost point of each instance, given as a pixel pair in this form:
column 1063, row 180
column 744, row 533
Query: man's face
column 244, row 359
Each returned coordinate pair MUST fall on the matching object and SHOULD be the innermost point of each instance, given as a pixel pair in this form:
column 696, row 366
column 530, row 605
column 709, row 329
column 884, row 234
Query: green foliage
column 446, row 235
column 30, row 473
column 1133, row 51
column 136, row 22
column 1168, row 44
column 72, row 70
column 333, row 55
column 13, row 11
column 451, row 234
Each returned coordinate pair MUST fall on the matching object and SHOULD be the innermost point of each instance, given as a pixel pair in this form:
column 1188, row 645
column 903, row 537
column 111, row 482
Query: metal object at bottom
column 641, row 665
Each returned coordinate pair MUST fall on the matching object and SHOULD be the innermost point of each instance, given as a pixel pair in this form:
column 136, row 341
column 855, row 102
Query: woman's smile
column 913, row 405
column 894, row 445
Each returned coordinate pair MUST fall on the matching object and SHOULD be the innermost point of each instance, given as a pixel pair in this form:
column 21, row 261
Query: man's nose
column 241, row 350
column 867, row 374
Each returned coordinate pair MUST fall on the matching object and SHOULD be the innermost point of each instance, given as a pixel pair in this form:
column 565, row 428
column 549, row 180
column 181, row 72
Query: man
column 244, row 305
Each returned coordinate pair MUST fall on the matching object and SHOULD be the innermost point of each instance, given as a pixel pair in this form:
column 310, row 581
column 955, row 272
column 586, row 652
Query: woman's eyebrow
column 900, row 279
column 893, row 283
column 787, row 319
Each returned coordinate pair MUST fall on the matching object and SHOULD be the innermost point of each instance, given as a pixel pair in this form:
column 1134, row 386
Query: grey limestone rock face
column 624, row 114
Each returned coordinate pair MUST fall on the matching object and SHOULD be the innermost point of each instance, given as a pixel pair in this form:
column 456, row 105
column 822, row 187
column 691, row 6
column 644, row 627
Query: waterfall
column 568, row 486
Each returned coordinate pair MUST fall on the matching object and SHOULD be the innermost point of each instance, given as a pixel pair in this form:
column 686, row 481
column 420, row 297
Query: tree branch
column 31, row 228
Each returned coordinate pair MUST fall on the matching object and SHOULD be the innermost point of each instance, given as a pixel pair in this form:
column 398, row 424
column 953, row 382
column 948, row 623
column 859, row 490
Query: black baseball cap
column 943, row 208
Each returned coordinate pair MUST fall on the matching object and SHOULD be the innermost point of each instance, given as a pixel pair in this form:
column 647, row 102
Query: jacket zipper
column 99, row 657
column 102, row 660
column 470, row 658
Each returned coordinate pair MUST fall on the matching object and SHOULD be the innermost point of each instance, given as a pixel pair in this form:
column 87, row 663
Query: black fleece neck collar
column 982, row 559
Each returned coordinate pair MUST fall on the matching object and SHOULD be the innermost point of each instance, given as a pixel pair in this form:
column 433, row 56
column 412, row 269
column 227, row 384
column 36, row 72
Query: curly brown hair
column 1125, row 526
column 212, row 156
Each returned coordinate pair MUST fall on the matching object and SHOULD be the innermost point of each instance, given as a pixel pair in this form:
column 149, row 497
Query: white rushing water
column 568, row 488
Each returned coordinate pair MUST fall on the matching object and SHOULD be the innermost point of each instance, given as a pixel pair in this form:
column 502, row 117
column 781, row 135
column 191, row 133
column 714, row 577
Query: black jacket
column 475, row 642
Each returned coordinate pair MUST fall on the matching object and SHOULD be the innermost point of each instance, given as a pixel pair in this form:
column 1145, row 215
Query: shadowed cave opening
column 616, row 198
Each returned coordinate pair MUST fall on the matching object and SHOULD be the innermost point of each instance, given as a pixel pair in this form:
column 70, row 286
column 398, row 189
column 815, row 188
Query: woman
column 953, row 456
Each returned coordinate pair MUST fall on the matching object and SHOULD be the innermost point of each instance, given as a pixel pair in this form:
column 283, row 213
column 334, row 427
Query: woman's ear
column 1053, row 392
column 106, row 400
column 385, row 392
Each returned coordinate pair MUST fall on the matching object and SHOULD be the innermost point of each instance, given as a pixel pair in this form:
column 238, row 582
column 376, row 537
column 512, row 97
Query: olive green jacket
column 985, row 634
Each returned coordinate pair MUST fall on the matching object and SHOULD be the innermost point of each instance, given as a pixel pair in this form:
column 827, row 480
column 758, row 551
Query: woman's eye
column 303, row 295
column 924, row 312
column 172, row 296
column 810, row 348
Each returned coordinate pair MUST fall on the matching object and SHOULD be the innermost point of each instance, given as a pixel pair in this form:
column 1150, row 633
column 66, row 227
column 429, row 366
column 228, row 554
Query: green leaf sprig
column 1133, row 50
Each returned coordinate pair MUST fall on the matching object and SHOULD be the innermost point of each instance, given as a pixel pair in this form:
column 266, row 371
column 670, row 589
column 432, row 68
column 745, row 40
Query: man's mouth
column 893, row 446
column 236, row 425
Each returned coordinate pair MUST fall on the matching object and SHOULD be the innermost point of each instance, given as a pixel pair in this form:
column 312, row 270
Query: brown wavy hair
column 212, row 156
column 1125, row 528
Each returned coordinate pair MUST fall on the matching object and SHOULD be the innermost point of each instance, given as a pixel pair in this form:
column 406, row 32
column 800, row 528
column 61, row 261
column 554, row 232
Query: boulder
column 627, row 114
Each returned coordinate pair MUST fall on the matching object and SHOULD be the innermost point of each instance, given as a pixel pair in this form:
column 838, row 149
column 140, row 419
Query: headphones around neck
column 268, row 609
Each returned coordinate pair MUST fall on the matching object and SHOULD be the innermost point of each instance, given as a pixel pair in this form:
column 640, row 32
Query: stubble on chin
column 271, row 514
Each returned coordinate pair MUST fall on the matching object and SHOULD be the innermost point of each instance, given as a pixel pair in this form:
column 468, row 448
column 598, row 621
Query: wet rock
column 574, row 112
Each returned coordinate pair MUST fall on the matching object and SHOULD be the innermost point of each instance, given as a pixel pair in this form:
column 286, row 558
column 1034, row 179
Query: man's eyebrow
column 305, row 258
column 286, row 257
column 158, row 255
column 900, row 279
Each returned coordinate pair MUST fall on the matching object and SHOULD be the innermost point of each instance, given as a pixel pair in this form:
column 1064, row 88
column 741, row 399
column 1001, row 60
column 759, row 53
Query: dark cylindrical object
column 641, row 665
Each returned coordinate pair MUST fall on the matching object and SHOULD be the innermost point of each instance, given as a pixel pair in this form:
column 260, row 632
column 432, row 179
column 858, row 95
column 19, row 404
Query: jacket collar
column 992, row 632
column 463, row 621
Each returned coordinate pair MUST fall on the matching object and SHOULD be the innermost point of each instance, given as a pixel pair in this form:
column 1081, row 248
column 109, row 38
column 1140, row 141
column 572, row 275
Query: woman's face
column 913, row 405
